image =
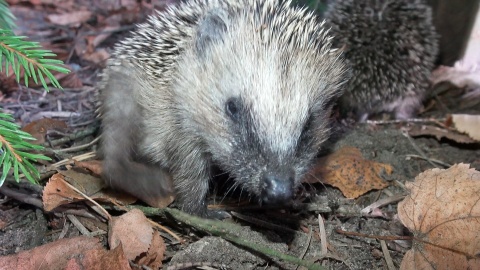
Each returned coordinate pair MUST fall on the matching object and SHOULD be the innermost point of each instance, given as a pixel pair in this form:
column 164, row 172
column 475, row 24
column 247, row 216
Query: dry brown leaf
column 85, row 182
column 347, row 170
column 94, row 186
column 457, row 75
column 71, row 80
column 100, row 259
column 155, row 254
column 133, row 231
column 53, row 255
column 439, row 133
column 468, row 124
column 94, row 166
column 71, row 18
column 38, row 129
column 57, row 193
column 443, row 213
column 98, row 56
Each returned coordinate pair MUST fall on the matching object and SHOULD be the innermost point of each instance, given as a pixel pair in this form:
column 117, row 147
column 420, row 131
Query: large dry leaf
column 443, row 212
column 439, row 133
column 459, row 75
column 53, row 255
column 140, row 241
column 72, row 18
column 56, row 192
column 469, row 124
column 100, row 259
column 347, row 170
column 38, row 129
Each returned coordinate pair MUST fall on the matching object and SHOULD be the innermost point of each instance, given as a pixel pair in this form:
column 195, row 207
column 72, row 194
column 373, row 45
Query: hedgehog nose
column 277, row 188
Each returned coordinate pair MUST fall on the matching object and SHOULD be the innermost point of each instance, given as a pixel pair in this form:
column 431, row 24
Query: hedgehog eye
column 232, row 108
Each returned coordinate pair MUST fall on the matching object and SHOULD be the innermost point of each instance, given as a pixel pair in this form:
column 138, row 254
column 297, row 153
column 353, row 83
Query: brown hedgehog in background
column 391, row 47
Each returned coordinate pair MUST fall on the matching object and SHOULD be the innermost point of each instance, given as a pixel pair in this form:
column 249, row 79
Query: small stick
column 386, row 254
column 100, row 210
column 404, row 133
column 78, row 225
column 323, row 236
column 309, row 240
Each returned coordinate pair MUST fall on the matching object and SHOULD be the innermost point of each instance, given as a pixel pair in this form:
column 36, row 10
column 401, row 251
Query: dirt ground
column 28, row 227
column 295, row 231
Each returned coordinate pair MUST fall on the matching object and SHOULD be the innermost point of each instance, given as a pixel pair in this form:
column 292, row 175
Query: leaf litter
column 363, row 171
column 443, row 213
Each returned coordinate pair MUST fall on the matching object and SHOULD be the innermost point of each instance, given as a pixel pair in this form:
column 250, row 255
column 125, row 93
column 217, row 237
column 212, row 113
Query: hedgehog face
column 258, row 103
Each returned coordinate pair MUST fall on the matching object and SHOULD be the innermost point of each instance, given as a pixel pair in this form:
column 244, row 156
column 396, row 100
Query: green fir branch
column 14, row 151
column 18, row 54
column 7, row 19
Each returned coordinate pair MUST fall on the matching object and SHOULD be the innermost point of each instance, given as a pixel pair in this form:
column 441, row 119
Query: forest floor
column 330, row 224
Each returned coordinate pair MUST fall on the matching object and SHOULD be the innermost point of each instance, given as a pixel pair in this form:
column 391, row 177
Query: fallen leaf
column 85, row 182
column 457, row 75
column 468, row 124
column 438, row 133
column 99, row 259
column 56, row 192
column 53, row 255
column 70, row 80
column 155, row 254
column 39, row 128
column 98, row 56
column 95, row 166
column 347, row 170
column 443, row 213
column 133, row 231
column 72, row 18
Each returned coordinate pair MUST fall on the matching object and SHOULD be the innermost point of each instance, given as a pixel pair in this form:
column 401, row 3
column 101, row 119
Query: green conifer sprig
column 6, row 17
column 27, row 55
column 13, row 150
column 19, row 54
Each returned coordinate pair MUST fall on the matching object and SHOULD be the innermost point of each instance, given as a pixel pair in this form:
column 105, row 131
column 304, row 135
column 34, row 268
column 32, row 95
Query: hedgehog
column 390, row 48
column 245, row 86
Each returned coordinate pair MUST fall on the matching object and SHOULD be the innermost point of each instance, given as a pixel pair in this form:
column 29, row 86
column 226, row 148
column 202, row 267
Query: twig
column 81, row 157
column 28, row 199
column 446, row 165
column 165, row 229
column 229, row 232
column 64, row 231
column 367, row 210
column 81, row 134
column 404, row 133
column 192, row 265
column 378, row 237
column 386, row 255
column 21, row 197
column 323, row 236
column 78, row 225
column 77, row 148
column 411, row 120
column 309, row 240
column 101, row 211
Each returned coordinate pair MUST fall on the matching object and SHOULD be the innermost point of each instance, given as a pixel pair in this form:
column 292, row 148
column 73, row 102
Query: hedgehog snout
column 277, row 188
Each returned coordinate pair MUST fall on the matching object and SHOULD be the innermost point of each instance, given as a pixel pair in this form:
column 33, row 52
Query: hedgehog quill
column 246, row 85
column 391, row 48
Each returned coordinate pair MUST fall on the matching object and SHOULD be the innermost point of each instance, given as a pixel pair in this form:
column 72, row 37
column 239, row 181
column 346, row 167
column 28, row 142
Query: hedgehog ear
column 211, row 29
